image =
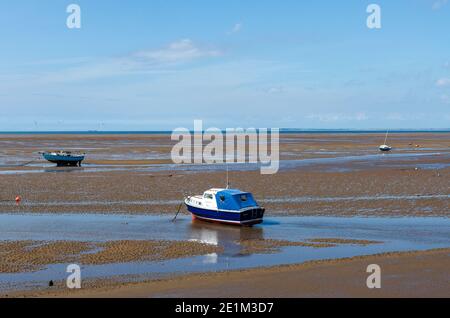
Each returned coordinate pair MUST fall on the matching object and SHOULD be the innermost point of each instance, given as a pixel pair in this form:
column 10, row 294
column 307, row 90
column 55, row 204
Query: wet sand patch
column 268, row 246
column 343, row 241
column 344, row 277
column 392, row 192
column 23, row 256
column 132, row 251
column 27, row 256
column 130, row 162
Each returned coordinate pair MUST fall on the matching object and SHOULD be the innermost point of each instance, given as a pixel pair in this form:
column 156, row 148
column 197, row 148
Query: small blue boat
column 64, row 158
column 230, row 206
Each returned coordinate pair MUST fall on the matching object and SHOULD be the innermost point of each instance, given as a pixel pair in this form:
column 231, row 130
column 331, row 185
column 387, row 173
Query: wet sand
column 22, row 256
column 124, row 248
column 384, row 192
column 407, row 274
column 337, row 175
column 320, row 174
column 252, row 246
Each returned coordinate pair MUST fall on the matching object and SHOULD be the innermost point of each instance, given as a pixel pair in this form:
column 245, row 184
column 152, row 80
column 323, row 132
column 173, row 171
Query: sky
column 159, row 65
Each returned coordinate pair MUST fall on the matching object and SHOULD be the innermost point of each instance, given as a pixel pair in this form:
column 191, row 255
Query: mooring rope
column 178, row 211
column 20, row 164
column 27, row 163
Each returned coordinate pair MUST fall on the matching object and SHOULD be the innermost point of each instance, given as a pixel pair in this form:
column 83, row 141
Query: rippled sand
column 22, row 256
column 428, row 270
column 320, row 175
column 131, row 174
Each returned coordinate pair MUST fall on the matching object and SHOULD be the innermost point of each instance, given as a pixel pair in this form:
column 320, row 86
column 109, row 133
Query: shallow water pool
column 397, row 234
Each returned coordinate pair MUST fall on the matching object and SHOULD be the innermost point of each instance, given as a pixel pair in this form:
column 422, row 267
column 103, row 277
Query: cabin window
column 243, row 197
column 208, row 196
column 222, row 198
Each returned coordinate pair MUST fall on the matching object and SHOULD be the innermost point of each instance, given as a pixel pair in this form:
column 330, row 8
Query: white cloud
column 142, row 62
column 334, row 117
column 274, row 90
column 443, row 82
column 236, row 28
column 179, row 51
column 439, row 4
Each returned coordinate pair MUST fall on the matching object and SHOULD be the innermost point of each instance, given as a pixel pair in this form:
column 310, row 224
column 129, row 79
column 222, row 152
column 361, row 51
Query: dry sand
column 406, row 274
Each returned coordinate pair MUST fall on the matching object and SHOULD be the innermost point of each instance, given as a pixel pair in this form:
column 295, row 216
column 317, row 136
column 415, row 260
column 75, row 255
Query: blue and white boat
column 230, row 206
column 64, row 158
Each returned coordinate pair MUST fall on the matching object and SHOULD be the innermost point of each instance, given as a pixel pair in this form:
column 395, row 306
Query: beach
column 336, row 278
column 409, row 274
column 341, row 174
column 335, row 205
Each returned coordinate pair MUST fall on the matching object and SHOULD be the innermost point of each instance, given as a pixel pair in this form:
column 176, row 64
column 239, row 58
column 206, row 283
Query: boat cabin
column 227, row 199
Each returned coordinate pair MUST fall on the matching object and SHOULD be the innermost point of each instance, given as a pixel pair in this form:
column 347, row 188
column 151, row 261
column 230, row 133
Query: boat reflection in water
column 227, row 237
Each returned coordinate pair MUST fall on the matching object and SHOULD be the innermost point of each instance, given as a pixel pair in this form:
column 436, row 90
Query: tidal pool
column 348, row 162
column 396, row 234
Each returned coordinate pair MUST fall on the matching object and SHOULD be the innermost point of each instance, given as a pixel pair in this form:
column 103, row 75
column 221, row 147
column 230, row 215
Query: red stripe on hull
column 199, row 218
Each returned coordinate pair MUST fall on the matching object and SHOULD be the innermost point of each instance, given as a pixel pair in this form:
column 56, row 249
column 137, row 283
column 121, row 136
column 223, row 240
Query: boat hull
column 247, row 217
column 64, row 160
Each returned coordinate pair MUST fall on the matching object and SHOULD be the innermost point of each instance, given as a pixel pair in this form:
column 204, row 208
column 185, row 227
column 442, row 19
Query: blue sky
column 151, row 65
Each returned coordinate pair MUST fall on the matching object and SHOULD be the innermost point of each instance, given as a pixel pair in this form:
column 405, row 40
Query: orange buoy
column 18, row 199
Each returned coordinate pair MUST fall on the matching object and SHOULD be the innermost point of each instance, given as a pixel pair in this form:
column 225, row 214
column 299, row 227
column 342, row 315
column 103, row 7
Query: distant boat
column 385, row 147
column 64, row 158
column 229, row 206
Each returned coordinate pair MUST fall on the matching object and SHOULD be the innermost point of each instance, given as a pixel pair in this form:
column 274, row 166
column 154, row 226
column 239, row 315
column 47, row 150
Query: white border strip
column 226, row 221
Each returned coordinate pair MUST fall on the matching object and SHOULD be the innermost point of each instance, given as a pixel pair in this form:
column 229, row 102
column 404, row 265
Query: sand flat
column 381, row 192
column 23, row 256
column 321, row 175
column 406, row 274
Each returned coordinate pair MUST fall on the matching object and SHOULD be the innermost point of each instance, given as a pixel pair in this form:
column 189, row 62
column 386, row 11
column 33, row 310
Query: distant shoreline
column 282, row 131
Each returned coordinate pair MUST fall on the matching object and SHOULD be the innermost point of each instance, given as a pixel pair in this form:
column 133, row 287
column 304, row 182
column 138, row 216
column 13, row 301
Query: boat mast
column 228, row 183
column 385, row 139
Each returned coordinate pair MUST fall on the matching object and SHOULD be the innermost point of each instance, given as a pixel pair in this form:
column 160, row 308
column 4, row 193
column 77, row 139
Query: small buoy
column 18, row 199
column 50, row 283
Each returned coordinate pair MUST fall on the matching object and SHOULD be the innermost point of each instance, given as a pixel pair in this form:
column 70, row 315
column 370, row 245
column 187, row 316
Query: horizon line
column 281, row 130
